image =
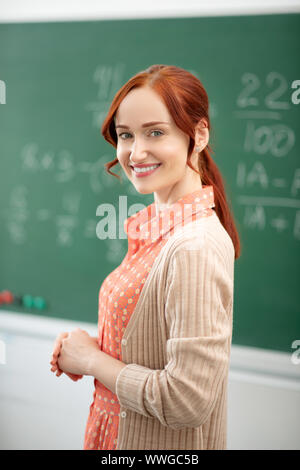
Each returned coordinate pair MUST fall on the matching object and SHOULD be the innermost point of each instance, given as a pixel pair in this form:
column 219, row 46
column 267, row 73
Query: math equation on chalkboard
column 267, row 170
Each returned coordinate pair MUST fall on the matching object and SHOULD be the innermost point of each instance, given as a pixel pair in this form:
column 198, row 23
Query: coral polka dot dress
column 147, row 232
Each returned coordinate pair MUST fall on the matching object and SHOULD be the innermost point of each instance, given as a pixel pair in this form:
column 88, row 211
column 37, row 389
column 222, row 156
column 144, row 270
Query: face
column 162, row 143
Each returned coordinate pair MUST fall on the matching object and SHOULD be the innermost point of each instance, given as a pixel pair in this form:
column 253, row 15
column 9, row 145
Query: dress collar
column 148, row 225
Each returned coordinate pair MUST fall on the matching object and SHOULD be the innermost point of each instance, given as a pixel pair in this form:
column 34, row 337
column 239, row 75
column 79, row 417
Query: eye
column 127, row 133
column 123, row 134
column 156, row 131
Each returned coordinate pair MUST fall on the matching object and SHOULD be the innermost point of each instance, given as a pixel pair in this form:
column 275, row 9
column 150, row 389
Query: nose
column 138, row 153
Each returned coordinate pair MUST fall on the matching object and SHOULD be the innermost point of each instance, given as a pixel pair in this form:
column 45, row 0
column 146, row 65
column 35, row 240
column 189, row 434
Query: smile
column 141, row 172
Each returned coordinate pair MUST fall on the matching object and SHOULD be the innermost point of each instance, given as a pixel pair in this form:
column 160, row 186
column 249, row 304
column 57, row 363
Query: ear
column 201, row 135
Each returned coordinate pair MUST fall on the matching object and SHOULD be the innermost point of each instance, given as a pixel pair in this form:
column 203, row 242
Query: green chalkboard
column 57, row 81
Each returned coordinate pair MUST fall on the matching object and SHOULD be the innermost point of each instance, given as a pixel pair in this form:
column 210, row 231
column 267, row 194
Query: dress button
column 123, row 414
column 124, row 342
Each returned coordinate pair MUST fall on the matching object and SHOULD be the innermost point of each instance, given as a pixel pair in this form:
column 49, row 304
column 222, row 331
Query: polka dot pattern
column 147, row 232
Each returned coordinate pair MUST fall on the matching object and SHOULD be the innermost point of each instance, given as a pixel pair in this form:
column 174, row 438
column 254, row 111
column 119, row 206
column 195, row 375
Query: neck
column 162, row 203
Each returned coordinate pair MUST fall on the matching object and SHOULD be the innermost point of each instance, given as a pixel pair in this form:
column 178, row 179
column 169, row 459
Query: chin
column 144, row 190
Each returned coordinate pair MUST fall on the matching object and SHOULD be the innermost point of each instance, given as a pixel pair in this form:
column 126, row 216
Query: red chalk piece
column 6, row 297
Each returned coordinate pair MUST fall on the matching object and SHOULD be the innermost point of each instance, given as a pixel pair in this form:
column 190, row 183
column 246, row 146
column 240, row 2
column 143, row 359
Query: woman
column 161, row 358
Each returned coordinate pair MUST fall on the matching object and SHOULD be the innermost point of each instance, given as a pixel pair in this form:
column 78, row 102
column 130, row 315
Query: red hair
column 187, row 102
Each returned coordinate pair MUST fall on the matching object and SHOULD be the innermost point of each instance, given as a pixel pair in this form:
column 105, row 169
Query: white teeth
column 144, row 170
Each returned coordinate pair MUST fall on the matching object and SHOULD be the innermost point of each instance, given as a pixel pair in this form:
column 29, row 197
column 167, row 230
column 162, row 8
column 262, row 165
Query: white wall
column 37, row 409
column 41, row 411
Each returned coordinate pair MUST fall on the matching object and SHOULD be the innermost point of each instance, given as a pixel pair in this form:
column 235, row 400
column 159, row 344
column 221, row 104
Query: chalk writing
column 267, row 99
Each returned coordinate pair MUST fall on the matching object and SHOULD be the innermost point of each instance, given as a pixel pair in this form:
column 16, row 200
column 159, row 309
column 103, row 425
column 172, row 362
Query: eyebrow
column 147, row 124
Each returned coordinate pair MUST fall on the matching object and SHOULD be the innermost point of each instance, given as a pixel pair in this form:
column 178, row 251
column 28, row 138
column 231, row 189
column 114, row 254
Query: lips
column 144, row 166
column 145, row 172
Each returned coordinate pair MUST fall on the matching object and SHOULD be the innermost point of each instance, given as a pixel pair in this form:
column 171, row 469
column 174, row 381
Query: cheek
column 122, row 158
column 173, row 152
column 122, row 150
column 177, row 165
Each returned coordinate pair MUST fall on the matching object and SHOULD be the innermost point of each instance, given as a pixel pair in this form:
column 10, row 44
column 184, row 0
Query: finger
column 74, row 377
column 59, row 339
column 54, row 357
column 57, row 348
column 55, row 367
column 77, row 378
column 55, row 351
column 53, row 360
column 62, row 335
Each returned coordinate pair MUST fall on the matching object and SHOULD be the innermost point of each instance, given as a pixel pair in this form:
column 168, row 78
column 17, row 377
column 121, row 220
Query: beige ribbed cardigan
column 173, row 390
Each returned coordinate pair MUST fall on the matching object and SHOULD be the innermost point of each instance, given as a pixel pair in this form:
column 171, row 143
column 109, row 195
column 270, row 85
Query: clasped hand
column 73, row 353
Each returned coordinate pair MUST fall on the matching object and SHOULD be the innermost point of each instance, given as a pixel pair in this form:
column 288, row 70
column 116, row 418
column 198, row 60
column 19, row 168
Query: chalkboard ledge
column 252, row 365
column 42, row 327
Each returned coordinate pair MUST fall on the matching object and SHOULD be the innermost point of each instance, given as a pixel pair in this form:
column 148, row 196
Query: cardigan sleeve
column 198, row 316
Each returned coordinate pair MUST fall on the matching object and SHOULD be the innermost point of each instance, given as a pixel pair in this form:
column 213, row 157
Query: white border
column 67, row 10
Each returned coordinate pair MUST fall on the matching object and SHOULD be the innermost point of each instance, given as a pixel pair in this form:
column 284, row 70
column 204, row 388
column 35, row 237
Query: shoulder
column 202, row 262
column 203, row 245
column 203, row 249
column 207, row 234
